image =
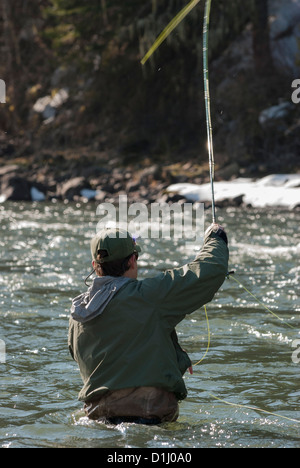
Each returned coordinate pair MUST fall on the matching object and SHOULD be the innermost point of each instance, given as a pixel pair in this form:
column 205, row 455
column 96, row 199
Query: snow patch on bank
column 277, row 190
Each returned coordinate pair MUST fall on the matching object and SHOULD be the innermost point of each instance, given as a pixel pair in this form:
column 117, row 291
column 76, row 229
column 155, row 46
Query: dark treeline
column 93, row 49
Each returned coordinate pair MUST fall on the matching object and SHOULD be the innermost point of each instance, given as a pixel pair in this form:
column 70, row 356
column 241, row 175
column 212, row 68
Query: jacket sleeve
column 181, row 291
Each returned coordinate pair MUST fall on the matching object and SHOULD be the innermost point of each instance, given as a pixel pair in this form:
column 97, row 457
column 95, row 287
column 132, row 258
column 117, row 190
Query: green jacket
column 130, row 341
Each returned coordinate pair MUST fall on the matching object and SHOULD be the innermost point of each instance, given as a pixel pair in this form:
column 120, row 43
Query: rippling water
column 43, row 259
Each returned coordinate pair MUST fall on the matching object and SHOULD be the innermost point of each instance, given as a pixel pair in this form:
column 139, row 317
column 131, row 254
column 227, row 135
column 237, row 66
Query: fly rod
column 207, row 106
column 162, row 37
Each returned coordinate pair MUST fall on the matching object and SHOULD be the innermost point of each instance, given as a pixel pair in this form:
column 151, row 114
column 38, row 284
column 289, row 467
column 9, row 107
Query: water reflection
column 44, row 258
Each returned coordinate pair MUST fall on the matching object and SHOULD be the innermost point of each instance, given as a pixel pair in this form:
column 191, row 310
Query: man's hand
column 218, row 230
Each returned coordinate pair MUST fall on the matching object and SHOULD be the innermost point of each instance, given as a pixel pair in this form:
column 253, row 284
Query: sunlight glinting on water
column 43, row 260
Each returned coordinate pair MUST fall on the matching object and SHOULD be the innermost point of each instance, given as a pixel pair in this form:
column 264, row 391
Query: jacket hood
column 91, row 304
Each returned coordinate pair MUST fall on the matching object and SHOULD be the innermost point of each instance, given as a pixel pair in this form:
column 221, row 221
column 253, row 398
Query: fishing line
column 254, row 408
column 163, row 36
column 211, row 171
column 208, row 342
column 260, row 302
column 237, row 405
column 169, row 29
column 207, row 106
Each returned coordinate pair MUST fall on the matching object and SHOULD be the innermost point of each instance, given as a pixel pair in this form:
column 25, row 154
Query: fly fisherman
column 122, row 331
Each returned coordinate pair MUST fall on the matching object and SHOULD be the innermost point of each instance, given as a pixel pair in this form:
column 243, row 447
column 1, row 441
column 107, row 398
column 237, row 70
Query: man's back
column 130, row 344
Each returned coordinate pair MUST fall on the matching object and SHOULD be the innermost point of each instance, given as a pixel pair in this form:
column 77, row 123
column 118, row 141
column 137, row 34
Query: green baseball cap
column 118, row 244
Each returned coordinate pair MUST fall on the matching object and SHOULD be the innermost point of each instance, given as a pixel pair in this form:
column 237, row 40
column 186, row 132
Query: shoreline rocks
column 15, row 188
column 147, row 185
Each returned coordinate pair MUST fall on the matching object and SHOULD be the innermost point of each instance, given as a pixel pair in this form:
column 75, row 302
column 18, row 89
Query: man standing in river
column 122, row 331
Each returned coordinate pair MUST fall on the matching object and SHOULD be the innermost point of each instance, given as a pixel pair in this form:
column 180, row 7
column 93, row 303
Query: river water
column 251, row 361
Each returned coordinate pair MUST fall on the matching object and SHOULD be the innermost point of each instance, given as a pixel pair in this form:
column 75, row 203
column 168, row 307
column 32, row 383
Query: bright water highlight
column 43, row 259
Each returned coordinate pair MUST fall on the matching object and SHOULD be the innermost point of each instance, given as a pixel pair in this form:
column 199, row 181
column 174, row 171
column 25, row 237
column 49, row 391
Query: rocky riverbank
column 81, row 178
column 71, row 178
column 74, row 128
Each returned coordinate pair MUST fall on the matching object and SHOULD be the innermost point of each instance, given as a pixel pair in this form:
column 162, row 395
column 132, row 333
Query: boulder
column 8, row 169
column 48, row 105
column 285, row 34
column 15, row 188
column 72, row 188
column 37, row 195
column 229, row 171
column 271, row 116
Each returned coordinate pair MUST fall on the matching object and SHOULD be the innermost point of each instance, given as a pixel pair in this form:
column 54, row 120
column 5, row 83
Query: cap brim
column 137, row 248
